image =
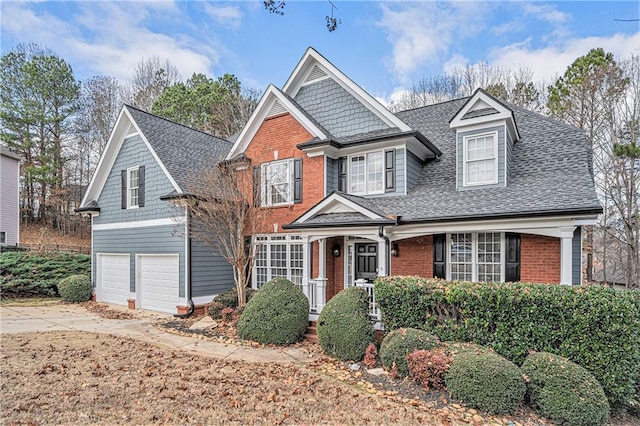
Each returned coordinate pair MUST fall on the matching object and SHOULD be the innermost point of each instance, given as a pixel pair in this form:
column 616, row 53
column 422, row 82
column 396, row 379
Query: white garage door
column 159, row 278
column 112, row 280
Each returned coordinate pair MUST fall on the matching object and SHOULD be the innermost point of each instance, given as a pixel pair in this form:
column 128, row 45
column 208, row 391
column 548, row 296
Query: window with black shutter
column 342, row 174
column 512, row 269
column 440, row 256
column 389, row 170
column 297, row 180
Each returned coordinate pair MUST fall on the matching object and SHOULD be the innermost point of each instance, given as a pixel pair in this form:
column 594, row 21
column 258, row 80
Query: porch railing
column 315, row 292
column 374, row 311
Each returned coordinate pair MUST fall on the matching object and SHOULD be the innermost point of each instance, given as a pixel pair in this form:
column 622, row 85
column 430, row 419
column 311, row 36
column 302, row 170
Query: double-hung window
column 366, row 173
column 277, row 181
column 277, row 256
column 133, row 187
column 476, row 256
column 481, row 159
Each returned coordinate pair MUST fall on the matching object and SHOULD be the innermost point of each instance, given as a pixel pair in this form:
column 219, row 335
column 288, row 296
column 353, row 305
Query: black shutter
column 342, row 174
column 256, row 186
column 297, row 180
column 389, row 170
column 512, row 270
column 141, row 186
column 440, row 256
column 123, row 188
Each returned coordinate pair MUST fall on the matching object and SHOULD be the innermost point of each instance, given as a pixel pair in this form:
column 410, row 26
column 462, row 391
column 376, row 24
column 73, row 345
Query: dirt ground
column 82, row 378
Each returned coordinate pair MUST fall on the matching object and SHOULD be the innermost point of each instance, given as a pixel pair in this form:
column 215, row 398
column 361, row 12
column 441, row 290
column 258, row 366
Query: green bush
column 486, row 381
column 344, row 328
column 564, row 392
column 230, row 297
column 596, row 327
column 277, row 314
column 397, row 344
column 26, row 274
column 76, row 288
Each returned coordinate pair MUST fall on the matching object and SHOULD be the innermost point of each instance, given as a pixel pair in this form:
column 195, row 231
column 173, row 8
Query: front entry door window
column 366, row 261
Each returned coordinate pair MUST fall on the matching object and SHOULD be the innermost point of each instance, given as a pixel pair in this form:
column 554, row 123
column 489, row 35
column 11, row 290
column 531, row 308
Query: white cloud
column 110, row 38
column 454, row 63
column 545, row 12
column 421, row 33
column 550, row 61
column 228, row 16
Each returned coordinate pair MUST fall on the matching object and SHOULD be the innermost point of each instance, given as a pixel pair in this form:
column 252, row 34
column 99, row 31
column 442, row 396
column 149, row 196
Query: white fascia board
column 539, row 226
column 479, row 95
column 178, row 220
column 312, row 57
column 260, row 114
column 327, row 204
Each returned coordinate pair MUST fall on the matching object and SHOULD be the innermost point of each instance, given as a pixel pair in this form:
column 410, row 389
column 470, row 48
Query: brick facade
column 281, row 134
column 539, row 259
column 415, row 257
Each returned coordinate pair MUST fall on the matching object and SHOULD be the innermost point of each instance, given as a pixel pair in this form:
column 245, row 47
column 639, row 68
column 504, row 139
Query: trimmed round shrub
column 75, row 288
column 344, row 328
column 230, row 297
column 563, row 391
column 397, row 344
column 486, row 381
column 277, row 314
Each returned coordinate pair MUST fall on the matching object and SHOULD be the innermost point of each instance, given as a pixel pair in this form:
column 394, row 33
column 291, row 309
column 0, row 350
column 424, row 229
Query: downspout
column 192, row 306
column 387, row 244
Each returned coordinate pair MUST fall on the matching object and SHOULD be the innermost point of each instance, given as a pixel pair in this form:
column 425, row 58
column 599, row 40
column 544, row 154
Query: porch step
column 312, row 333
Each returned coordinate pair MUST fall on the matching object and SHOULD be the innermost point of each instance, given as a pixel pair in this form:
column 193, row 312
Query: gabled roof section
column 9, row 153
column 333, row 99
column 339, row 209
column 275, row 102
column 482, row 108
column 180, row 151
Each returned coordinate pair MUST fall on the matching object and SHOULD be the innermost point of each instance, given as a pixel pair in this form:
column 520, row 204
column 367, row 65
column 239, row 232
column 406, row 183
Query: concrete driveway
column 37, row 319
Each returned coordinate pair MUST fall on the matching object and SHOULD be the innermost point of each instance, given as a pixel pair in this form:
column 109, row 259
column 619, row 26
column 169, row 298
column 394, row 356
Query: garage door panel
column 113, row 280
column 159, row 282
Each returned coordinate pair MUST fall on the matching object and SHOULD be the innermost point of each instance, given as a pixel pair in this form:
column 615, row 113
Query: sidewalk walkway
column 33, row 319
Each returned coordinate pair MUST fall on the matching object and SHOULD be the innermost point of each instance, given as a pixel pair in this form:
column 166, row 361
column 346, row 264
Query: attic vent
column 276, row 109
column 315, row 74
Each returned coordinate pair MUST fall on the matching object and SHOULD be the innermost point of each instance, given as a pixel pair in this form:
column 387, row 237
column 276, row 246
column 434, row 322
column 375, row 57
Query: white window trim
column 474, row 253
column 266, row 240
column 465, row 140
column 265, row 199
column 366, row 172
column 129, row 170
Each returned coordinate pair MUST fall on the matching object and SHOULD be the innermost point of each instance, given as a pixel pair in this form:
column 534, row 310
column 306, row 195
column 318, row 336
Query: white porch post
column 321, row 288
column 383, row 269
column 306, row 261
column 566, row 269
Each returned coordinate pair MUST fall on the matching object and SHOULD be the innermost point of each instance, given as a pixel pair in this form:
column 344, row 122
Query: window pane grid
column 489, row 256
column 277, row 183
column 134, row 184
column 278, row 256
column 357, row 174
column 375, row 169
column 480, row 159
column 461, row 250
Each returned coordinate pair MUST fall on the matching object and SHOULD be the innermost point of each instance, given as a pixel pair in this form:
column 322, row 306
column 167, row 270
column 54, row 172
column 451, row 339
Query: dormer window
column 481, row 159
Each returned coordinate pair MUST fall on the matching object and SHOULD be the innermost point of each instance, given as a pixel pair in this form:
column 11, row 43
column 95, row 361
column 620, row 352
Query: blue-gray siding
column 9, row 190
column 576, row 256
column 336, row 109
column 501, row 156
column 332, row 175
column 509, row 156
column 211, row 274
column 414, row 165
column 163, row 239
column 135, row 153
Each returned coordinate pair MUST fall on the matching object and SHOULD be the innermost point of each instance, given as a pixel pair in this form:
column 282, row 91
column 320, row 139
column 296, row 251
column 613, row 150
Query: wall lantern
column 336, row 250
column 394, row 250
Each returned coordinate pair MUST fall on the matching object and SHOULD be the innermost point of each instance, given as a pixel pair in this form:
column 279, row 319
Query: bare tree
column 150, row 77
column 222, row 215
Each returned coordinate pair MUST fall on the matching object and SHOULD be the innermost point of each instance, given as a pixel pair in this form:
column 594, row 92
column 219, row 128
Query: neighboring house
column 472, row 189
column 141, row 250
column 9, row 197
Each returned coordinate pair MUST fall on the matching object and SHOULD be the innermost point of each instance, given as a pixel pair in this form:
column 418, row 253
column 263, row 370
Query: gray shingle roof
column 549, row 171
column 184, row 151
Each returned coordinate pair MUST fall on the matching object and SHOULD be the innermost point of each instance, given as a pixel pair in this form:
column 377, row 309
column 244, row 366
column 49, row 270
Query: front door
column 366, row 261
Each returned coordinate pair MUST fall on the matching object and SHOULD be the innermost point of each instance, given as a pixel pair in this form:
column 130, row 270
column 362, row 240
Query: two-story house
column 472, row 189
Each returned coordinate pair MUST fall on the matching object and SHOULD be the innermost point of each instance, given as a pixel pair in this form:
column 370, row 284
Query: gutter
column 542, row 213
column 192, row 306
column 387, row 251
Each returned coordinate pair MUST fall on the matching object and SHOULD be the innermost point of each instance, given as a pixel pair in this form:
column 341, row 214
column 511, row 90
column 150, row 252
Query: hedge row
column 24, row 274
column 596, row 327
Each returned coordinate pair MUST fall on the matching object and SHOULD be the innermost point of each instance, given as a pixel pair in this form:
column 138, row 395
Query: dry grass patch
column 81, row 378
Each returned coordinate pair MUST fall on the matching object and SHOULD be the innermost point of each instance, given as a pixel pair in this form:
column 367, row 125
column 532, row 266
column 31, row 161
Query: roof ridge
column 431, row 105
column 176, row 123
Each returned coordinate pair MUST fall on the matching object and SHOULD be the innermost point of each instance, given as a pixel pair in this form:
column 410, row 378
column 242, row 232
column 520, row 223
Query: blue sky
column 383, row 46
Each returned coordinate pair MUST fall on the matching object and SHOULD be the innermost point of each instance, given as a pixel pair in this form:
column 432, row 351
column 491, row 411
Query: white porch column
column 383, row 268
column 306, row 261
column 566, row 267
column 321, row 287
